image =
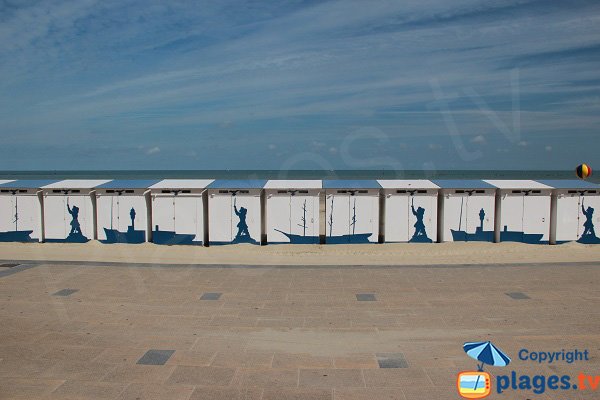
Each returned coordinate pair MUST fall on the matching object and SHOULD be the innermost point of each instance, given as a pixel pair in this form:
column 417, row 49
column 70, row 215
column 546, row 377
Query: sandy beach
column 356, row 254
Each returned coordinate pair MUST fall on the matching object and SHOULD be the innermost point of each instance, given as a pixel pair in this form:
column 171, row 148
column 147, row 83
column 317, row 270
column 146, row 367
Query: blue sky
column 427, row 84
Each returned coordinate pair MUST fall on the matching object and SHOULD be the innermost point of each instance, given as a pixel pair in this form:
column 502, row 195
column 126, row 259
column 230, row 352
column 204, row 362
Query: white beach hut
column 575, row 211
column 124, row 211
column 410, row 210
column 178, row 212
column 522, row 211
column 235, row 210
column 69, row 210
column 292, row 211
column 466, row 210
column 21, row 210
column 352, row 211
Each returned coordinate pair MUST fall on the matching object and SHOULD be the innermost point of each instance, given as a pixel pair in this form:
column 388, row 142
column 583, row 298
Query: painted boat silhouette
column 516, row 236
column 131, row 236
column 16, row 236
column 299, row 239
column 479, row 235
column 171, row 237
column 352, row 238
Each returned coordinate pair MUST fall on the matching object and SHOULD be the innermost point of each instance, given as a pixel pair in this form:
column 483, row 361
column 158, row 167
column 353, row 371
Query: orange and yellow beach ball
column 583, row 171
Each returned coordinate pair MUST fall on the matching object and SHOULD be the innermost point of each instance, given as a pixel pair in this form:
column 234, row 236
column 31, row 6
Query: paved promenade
column 83, row 331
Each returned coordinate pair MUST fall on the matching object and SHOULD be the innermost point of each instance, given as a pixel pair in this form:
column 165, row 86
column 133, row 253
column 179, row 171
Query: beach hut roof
column 516, row 184
column 462, row 184
column 128, row 184
column 182, row 184
column 351, row 184
column 238, row 184
column 76, row 184
column 569, row 184
column 407, row 184
column 27, row 183
column 293, row 184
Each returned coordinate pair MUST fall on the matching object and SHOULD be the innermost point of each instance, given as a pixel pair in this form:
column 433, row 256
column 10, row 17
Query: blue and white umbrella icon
column 487, row 353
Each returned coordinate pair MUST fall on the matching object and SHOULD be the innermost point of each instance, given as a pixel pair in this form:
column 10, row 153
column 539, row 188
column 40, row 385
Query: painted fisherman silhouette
column 75, row 227
column 419, row 225
column 242, row 225
column 481, row 217
column 588, row 225
column 132, row 215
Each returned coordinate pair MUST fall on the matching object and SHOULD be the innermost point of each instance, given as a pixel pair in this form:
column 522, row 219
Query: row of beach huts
column 206, row 211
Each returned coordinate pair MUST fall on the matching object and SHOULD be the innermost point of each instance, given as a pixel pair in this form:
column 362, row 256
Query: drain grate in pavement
column 365, row 297
column 210, row 296
column 65, row 292
column 518, row 295
column 156, row 357
column 391, row 360
column 9, row 265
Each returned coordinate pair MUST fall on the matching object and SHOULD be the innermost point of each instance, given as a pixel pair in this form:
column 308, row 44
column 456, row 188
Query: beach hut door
column 187, row 215
column 536, row 216
column 301, row 215
column 512, row 217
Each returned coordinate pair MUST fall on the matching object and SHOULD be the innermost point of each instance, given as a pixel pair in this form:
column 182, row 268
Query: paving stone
column 156, row 357
column 192, row 358
column 77, row 370
column 434, row 393
column 139, row 373
column 54, row 339
column 396, row 377
column 391, row 360
column 233, row 321
column 374, row 393
column 247, row 359
column 229, row 342
column 210, row 296
column 365, row 297
column 21, row 349
column 202, row 376
column 298, row 394
column 146, row 391
column 517, row 295
column 65, row 292
column 13, row 269
column 120, row 355
column 76, row 390
column 73, row 353
column 220, row 393
column 331, row 378
column 291, row 360
column 356, row 361
column 166, row 340
column 444, row 377
column 267, row 378
column 284, row 322
column 25, row 368
column 328, row 322
column 27, row 389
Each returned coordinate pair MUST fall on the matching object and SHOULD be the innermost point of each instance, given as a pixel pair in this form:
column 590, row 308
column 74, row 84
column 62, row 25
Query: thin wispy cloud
column 229, row 81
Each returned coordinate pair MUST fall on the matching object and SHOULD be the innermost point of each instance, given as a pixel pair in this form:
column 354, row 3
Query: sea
column 295, row 174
